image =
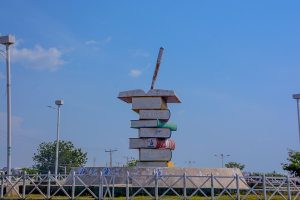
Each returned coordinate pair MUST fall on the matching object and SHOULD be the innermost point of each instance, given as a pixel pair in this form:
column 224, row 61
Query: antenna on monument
column 161, row 50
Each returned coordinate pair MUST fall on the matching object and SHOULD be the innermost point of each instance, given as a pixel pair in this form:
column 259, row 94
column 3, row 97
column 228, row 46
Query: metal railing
column 154, row 186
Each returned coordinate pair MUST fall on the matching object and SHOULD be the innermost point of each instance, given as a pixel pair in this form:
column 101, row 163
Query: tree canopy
column 235, row 165
column 68, row 156
column 293, row 164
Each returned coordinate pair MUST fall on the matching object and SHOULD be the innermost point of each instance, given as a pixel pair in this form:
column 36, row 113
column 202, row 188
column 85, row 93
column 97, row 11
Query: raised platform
column 194, row 177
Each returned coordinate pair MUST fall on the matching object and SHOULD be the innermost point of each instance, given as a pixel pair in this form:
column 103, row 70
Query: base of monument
column 175, row 176
column 151, row 164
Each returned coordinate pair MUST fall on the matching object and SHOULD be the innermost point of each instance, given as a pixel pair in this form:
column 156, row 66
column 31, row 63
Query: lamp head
column 59, row 102
column 296, row 96
column 7, row 40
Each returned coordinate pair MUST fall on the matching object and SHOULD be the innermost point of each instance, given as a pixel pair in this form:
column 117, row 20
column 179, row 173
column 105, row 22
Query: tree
column 235, row 165
column 293, row 164
column 29, row 170
column 131, row 163
column 68, row 156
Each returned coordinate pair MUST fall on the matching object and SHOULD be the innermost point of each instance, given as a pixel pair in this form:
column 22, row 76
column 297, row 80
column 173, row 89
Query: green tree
column 235, row 165
column 68, row 156
column 29, row 170
column 131, row 163
column 293, row 164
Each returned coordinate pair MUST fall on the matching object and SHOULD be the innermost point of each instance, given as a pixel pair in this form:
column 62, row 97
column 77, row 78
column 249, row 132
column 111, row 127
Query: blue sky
column 234, row 64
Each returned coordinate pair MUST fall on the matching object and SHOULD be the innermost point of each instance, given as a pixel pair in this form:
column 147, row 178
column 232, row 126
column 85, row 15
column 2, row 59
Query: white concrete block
column 151, row 164
column 155, row 114
column 154, row 132
column 148, row 103
column 155, row 154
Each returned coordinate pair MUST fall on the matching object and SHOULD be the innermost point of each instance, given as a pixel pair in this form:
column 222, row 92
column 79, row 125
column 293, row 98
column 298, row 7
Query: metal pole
column 127, row 186
column 237, row 179
column 8, row 87
column 298, row 115
column 264, row 187
column 49, row 185
column 156, row 186
column 184, row 186
column 57, row 140
column 289, row 187
column 73, row 185
column 222, row 158
column 110, row 158
column 212, row 189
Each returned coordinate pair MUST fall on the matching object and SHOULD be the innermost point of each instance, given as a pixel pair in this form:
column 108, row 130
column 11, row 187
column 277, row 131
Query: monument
column 155, row 146
column 154, row 129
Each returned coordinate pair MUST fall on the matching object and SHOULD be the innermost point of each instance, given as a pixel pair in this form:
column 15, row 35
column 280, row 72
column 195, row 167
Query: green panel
column 169, row 125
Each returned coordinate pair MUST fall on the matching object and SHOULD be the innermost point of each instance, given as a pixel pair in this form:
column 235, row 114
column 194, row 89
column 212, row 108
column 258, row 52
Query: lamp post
column 58, row 103
column 7, row 41
column 297, row 97
column 222, row 157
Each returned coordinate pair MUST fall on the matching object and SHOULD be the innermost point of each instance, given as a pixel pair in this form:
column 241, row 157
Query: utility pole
column 110, row 151
column 222, row 158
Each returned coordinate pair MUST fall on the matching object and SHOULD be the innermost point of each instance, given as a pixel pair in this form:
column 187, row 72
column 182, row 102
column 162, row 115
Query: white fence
column 154, row 186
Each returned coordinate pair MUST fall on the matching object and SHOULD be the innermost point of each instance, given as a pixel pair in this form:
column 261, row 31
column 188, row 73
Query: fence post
column 2, row 186
column 184, row 186
column 48, row 185
column 113, row 189
column 264, row 187
column 24, row 184
column 212, row 190
column 100, row 186
column 156, row 186
column 288, row 187
column 127, row 186
column 73, row 185
column 237, row 179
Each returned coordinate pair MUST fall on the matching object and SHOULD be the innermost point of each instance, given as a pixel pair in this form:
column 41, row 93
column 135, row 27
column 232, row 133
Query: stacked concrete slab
column 154, row 129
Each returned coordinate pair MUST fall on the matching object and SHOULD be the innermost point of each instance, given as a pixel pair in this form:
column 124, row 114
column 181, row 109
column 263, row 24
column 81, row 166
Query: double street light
column 7, row 41
column 58, row 103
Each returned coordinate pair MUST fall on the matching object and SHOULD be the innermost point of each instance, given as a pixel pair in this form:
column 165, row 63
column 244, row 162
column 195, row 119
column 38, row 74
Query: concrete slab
column 197, row 177
column 151, row 164
column 148, row 103
column 153, row 124
column 155, row 114
column 168, row 95
column 155, row 154
column 151, row 143
column 154, row 133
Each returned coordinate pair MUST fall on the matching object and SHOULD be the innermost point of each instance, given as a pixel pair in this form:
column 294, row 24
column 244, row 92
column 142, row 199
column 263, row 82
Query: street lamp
column 222, row 157
column 297, row 97
column 58, row 103
column 7, row 41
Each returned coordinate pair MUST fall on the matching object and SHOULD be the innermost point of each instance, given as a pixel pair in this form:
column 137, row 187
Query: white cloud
column 135, row 73
column 101, row 42
column 90, row 42
column 38, row 58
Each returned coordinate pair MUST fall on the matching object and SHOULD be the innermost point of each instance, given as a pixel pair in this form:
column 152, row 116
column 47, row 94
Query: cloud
column 135, row 73
column 101, row 42
column 90, row 42
column 38, row 58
